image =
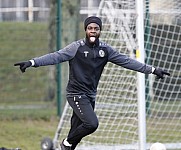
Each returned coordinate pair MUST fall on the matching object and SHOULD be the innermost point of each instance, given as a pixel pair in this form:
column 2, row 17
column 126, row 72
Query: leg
column 75, row 122
column 83, row 107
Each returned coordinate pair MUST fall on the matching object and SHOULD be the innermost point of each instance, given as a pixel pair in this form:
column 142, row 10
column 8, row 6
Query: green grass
column 20, row 42
column 23, row 126
column 45, row 113
column 26, row 134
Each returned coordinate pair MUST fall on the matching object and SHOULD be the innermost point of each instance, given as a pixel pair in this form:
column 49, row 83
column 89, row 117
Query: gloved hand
column 160, row 73
column 23, row 65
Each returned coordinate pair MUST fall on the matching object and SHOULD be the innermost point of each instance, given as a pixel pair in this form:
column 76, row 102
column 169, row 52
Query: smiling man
column 87, row 58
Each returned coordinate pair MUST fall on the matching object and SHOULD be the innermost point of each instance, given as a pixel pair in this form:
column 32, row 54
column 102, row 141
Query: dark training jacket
column 86, row 63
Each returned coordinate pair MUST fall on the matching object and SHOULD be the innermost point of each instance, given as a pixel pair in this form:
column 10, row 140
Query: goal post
column 140, row 56
column 118, row 105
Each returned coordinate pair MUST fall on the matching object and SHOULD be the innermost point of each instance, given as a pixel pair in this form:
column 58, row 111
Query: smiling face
column 92, row 32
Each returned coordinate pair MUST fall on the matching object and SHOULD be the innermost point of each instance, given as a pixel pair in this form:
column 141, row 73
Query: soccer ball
column 157, row 146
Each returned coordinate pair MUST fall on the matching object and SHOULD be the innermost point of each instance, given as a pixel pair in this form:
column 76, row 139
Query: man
column 87, row 58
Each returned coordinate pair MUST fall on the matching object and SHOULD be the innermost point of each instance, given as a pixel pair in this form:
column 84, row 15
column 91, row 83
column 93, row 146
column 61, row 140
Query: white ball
column 157, row 146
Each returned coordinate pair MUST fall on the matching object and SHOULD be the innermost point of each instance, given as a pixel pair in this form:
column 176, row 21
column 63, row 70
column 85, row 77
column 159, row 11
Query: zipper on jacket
column 94, row 52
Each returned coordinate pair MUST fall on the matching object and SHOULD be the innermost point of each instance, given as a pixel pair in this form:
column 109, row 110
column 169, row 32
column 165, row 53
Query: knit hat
column 92, row 19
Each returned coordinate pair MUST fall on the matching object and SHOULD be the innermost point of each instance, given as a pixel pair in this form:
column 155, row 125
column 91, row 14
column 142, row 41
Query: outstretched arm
column 132, row 64
column 62, row 55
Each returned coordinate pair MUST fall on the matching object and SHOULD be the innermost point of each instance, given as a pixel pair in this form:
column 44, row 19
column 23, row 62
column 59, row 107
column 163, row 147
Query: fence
column 37, row 10
column 24, row 10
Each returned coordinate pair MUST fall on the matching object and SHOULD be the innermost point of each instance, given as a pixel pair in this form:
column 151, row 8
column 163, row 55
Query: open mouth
column 92, row 38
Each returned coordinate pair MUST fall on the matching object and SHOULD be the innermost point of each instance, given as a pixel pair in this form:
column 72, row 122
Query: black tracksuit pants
column 84, row 120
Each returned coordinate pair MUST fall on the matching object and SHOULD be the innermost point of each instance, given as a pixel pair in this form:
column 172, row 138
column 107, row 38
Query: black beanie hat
column 92, row 19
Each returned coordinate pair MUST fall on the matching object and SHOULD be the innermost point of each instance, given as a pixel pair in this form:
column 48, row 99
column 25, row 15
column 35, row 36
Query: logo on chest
column 86, row 53
column 101, row 53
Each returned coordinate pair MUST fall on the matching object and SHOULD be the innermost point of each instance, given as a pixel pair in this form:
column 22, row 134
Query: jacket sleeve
column 62, row 55
column 123, row 60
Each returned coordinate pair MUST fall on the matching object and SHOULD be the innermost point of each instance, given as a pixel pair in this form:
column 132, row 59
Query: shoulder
column 102, row 44
column 80, row 42
column 105, row 46
column 74, row 45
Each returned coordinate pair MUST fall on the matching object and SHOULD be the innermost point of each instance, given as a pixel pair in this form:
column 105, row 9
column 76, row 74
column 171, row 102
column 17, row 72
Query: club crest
column 101, row 53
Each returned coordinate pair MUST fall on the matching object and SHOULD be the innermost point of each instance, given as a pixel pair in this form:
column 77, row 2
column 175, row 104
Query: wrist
column 32, row 62
column 152, row 70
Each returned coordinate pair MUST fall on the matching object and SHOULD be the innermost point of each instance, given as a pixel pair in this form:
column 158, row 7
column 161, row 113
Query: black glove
column 23, row 65
column 160, row 73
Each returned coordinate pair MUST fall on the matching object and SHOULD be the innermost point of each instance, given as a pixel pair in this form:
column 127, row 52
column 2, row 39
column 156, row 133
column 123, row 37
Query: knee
column 92, row 126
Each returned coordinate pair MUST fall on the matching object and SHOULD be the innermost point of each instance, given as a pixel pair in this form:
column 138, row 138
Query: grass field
column 26, row 129
column 20, row 42
column 24, row 114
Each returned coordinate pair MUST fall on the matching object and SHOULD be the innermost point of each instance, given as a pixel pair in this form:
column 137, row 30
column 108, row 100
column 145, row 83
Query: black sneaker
column 63, row 147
